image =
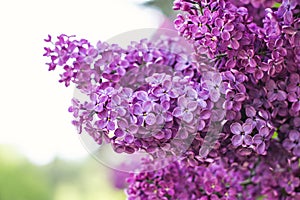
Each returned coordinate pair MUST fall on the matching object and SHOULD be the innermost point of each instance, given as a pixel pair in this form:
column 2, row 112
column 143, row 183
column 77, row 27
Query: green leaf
column 164, row 5
column 260, row 198
column 276, row 5
column 275, row 135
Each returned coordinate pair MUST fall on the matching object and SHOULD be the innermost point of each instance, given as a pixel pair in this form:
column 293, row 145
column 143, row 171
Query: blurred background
column 41, row 156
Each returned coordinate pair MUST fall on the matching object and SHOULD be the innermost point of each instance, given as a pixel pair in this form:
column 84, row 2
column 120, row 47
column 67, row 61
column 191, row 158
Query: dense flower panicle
column 259, row 55
column 230, row 110
column 223, row 179
column 178, row 181
column 140, row 97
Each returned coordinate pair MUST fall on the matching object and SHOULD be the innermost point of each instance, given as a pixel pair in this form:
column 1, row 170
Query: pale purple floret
column 126, row 130
column 162, row 112
column 106, row 120
column 275, row 92
column 185, row 109
column 144, row 113
column 261, row 138
column 166, row 91
column 242, row 133
column 292, row 143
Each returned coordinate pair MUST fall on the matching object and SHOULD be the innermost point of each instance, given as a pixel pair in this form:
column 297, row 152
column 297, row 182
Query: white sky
column 33, row 105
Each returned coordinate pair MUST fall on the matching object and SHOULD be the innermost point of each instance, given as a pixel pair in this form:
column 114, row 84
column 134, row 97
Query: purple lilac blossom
column 254, row 45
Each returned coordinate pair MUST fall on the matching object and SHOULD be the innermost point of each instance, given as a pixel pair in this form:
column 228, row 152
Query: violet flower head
column 261, row 138
column 185, row 109
column 292, row 142
column 242, row 133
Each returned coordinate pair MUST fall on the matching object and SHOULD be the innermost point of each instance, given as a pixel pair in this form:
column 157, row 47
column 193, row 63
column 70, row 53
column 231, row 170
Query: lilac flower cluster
column 145, row 97
column 260, row 65
column 229, row 111
column 178, row 181
column 231, row 176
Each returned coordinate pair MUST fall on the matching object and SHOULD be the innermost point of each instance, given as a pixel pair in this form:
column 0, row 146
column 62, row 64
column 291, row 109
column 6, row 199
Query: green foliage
column 20, row 180
column 59, row 180
column 164, row 5
column 276, row 5
column 275, row 135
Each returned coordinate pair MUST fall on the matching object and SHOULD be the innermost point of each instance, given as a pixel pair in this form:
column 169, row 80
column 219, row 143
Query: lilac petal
column 217, row 78
column 248, row 139
column 192, row 106
column 294, row 135
column 247, row 127
column 187, row 117
column 123, row 124
column 182, row 102
column 250, row 111
column 239, row 97
column 215, row 95
column 258, row 74
column 119, row 132
column 158, row 91
column 167, row 84
column 225, row 35
column 150, row 119
column 235, row 44
column 101, row 124
column 127, row 92
column 292, row 97
column 147, row 106
column 272, row 96
column 229, row 27
column 296, row 151
column 116, row 99
column 113, row 115
column 219, row 22
column 236, row 128
column 264, row 114
column 103, row 99
column 159, row 135
column 183, row 133
column 271, row 85
column 296, row 106
column 228, row 105
column 261, row 148
column 191, row 93
column 215, row 31
column 133, row 129
column 168, row 116
column 121, row 111
column 201, row 125
column 288, row 144
column 237, row 140
column 252, row 62
column 264, row 131
column 257, row 139
column 177, row 112
column 205, row 114
column 111, row 126
column 281, row 95
column 165, row 105
column 129, row 138
column 137, row 109
column 99, row 108
column 202, row 103
column 173, row 93
column 142, row 95
column 295, row 78
column 230, row 63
